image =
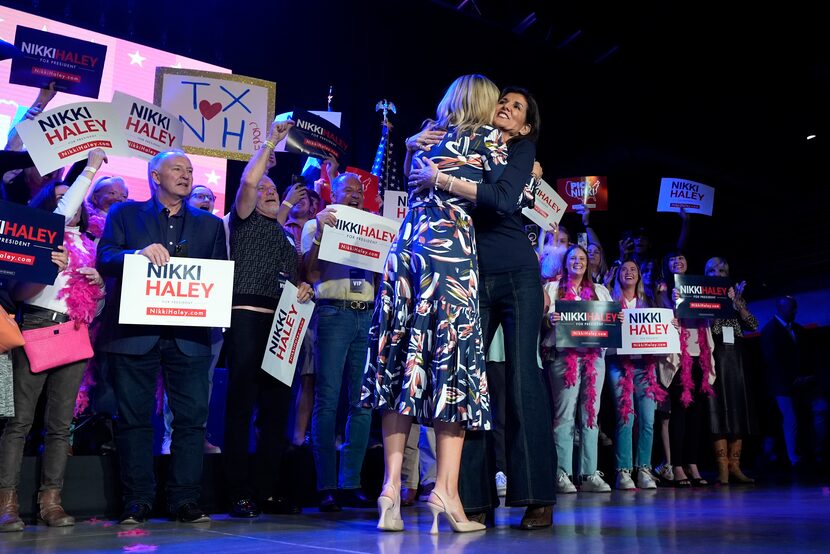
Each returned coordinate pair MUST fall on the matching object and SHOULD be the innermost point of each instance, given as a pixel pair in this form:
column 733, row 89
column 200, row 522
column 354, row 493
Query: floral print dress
column 426, row 354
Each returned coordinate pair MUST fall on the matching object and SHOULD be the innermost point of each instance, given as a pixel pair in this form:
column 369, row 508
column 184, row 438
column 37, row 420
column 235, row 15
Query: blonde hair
column 469, row 103
column 715, row 263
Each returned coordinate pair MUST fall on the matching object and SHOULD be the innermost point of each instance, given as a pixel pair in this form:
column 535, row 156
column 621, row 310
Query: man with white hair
column 161, row 227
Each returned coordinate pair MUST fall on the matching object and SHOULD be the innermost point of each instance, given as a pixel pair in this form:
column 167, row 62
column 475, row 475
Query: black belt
column 358, row 305
column 43, row 313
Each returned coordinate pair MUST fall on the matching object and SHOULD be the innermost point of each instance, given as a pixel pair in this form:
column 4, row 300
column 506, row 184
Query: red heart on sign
column 209, row 110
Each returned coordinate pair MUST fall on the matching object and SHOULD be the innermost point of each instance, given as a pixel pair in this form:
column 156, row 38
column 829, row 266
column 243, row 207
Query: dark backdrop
column 635, row 93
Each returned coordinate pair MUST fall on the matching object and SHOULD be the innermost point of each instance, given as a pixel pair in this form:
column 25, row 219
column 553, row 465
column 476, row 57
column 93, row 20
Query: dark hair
column 668, row 276
column 532, row 116
column 47, row 201
column 312, row 194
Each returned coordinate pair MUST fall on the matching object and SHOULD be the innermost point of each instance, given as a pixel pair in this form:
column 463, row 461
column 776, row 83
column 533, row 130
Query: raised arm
column 252, row 174
column 44, row 96
column 292, row 196
column 685, row 227
column 72, row 201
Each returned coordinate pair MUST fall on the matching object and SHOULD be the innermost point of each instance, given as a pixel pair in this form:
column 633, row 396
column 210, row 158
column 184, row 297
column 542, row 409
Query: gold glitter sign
column 223, row 115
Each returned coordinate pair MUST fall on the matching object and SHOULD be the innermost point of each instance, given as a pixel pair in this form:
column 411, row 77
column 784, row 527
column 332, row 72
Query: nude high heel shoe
column 457, row 526
column 389, row 513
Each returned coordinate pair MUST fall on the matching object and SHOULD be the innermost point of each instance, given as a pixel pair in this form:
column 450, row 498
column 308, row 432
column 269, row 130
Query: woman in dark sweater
column 510, row 295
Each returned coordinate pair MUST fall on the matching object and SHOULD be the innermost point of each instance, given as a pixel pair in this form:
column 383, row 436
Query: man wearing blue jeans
column 345, row 301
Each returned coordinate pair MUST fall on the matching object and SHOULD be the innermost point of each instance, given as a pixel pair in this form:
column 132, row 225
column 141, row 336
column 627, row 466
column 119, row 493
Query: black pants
column 514, row 301
column 186, row 383
column 686, row 423
column 249, row 387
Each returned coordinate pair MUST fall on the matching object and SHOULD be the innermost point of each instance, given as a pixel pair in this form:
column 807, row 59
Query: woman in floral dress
column 426, row 355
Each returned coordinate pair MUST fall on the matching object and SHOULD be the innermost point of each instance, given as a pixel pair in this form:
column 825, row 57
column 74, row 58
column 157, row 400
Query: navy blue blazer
column 132, row 226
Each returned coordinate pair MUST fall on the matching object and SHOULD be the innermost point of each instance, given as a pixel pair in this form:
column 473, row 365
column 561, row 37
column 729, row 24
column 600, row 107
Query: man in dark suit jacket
column 789, row 377
column 163, row 226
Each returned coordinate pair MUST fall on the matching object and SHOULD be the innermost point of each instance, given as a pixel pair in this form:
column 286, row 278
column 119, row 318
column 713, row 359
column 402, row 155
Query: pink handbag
column 58, row 345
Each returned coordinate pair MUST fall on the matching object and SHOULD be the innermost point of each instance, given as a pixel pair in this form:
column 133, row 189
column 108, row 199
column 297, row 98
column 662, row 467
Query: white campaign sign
column 147, row 128
column 63, row 136
column 548, row 207
column 695, row 198
column 286, row 337
column 360, row 239
column 191, row 292
column 395, row 205
column 649, row 331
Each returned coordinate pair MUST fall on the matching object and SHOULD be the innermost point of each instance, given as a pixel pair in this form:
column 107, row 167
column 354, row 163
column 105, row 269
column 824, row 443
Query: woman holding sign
column 426, row 354
column 730, row 408
column 76, row 297
column 577, row 373
column 689, row 378
column 635, row 388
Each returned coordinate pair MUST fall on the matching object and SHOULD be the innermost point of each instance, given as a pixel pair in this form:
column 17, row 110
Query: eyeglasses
column 204, row 196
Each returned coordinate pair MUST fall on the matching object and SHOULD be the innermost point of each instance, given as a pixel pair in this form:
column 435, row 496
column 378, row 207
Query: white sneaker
column 501, row 483
column 165, row 444
column 624, row 481
column 564, row 485
column 644, row 479
column 595, row 483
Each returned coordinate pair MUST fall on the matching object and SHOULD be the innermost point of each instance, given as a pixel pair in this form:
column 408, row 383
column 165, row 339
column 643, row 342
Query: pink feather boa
column 626, row 385
column 590, row 357
column 95, row 227
column 686, row 362
column 81, row 300
column 81, row 295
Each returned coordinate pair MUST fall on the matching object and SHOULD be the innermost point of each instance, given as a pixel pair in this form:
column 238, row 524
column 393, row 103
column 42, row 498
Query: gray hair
column 155, row 163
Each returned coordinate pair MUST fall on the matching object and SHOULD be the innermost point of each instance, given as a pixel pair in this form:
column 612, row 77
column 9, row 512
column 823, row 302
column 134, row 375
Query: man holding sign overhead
column 345, row 300
column 265, row 262
column 161, row 227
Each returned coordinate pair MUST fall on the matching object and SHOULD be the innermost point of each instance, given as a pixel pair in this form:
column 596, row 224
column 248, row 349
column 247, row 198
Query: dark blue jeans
column 515, row 301
column 186, row 383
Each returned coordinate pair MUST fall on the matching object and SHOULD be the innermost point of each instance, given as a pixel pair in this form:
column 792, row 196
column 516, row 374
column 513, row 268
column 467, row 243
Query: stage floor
column 762, row 519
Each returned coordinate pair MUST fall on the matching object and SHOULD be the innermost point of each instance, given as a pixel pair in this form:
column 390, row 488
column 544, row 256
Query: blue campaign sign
column 27, row 239
column 75, row 66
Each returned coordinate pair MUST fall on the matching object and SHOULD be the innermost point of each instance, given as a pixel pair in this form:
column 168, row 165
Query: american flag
column 385, row 165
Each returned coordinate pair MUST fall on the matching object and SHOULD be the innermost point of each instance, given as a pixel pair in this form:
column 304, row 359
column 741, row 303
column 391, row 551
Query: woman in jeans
column 577, row 375
column 510, row 295
column 77, row 295
column 635, row 389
